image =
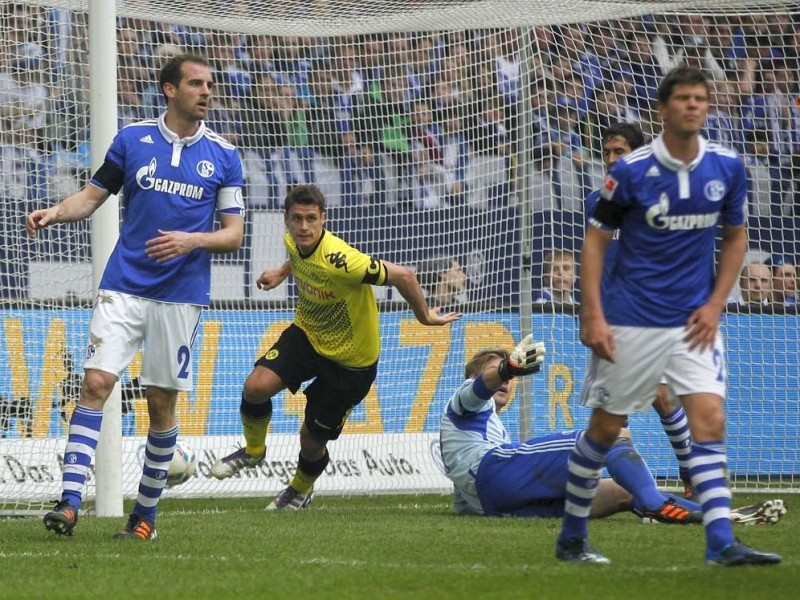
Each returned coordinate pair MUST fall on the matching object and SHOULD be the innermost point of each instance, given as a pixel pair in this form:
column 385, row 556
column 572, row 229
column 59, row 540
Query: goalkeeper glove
column 525, row 359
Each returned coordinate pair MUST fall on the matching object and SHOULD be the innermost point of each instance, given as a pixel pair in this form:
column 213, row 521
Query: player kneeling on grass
column 493, row 476
column 333, row 340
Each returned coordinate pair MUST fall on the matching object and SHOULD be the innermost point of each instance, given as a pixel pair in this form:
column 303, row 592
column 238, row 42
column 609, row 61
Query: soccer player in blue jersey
column 175, row 175
column 334, row 340
column 618, row 140
column 659, row 316
column 493, row 476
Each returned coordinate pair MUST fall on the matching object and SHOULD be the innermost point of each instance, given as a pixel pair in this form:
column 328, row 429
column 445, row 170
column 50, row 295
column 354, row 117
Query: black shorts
column 336, row 389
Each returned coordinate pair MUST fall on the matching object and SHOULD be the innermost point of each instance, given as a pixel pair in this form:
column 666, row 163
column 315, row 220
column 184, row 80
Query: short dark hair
column 681, row 75
column 172, row 71
column 308, row 195
column 476, row 364
column 630, row 132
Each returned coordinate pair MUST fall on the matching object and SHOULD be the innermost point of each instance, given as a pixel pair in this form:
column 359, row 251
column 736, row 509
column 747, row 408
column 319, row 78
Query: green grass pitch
column 379, row 547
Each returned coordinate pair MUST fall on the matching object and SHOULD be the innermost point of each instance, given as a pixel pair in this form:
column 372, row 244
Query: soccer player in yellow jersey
column 334, row 340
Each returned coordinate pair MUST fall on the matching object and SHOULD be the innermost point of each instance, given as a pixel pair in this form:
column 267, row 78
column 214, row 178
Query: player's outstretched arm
column 76, row 207
column 272, row 278
column 406, row 283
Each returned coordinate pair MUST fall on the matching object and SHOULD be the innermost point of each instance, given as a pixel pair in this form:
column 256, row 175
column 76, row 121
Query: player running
column 334, row 340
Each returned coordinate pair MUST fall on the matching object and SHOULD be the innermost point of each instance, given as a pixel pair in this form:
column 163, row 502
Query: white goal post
column 439, row 131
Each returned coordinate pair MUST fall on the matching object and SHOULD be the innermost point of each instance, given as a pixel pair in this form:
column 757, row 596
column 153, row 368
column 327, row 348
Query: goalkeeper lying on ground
column 493, row 476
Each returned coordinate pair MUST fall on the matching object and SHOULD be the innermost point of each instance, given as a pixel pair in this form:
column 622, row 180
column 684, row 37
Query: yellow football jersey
column 336, row 308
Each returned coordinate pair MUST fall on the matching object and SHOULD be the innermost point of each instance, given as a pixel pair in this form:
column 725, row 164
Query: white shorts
column 645, row 357
column 121, row 323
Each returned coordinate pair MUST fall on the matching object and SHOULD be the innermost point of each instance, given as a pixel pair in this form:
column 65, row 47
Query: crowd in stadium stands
column 414, row 121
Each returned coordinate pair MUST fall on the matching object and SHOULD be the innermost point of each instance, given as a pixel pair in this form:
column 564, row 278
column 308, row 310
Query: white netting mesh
column 439, row 131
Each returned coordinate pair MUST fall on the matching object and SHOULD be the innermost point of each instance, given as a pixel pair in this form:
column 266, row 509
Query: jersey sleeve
column 229, row 196
column 471, row 398
column 590, row 204
column 116, row 151
column 615, row 198
column 734, row 211
column 354, row 267
column 110, row 176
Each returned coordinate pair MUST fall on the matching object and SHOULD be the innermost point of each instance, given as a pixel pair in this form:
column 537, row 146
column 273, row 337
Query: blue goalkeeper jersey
column 170, row 184
column 668, row 215
column 470, row 427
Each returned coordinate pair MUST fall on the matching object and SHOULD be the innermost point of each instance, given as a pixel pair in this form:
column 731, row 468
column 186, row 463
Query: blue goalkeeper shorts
column 527, row 479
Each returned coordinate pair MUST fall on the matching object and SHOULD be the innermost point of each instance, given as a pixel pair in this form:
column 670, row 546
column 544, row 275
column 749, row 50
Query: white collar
column 173, row 138
column 665, row 158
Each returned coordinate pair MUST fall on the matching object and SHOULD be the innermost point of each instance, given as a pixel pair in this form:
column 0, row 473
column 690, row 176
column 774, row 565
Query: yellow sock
column 302, row 483
column 255, row 435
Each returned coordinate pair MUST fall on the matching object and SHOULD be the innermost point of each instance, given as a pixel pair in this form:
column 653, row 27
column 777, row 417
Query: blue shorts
column 527, row 479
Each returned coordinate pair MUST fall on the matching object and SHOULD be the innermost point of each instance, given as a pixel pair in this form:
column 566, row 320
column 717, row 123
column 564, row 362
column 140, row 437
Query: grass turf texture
column 379, row 547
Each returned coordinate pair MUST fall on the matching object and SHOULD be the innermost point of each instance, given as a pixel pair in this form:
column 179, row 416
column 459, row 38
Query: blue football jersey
column 170, row 184
column 670, row 213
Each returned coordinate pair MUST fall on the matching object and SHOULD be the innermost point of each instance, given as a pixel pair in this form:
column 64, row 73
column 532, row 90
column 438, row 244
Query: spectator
column 421, row 66
column 297, row 154
column 610, row 106
column 23, row 97
column 292, row 67
column 427, row 157
column 784, row 282
column 263, row 133
column 21, row 26
column 372, row 51
column 720, row 126
column 756, row 158
column 443, row 281
column 453, row 85
column 755, row 284
column 22, row 184
column 558, row 278
column 230, row 72
column 696, row 51
column 643, row 71
column 347, row 71
column 152, row 98
column 772, row 107
column 455, row 156
column 545, row 183
column 130, row 106
column 382, row 124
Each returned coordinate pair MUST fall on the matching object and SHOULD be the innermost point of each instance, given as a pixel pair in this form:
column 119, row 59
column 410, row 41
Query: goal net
column 456, row 137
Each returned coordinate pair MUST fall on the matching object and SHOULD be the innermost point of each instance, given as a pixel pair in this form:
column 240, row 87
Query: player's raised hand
column 525, row 359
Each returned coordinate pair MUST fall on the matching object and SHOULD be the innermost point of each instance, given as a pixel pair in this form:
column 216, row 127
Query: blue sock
column 157, row 456
column 585, row 467
column 629, row 470
column 707, row 462
column 84, row 431
column 676, row 426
